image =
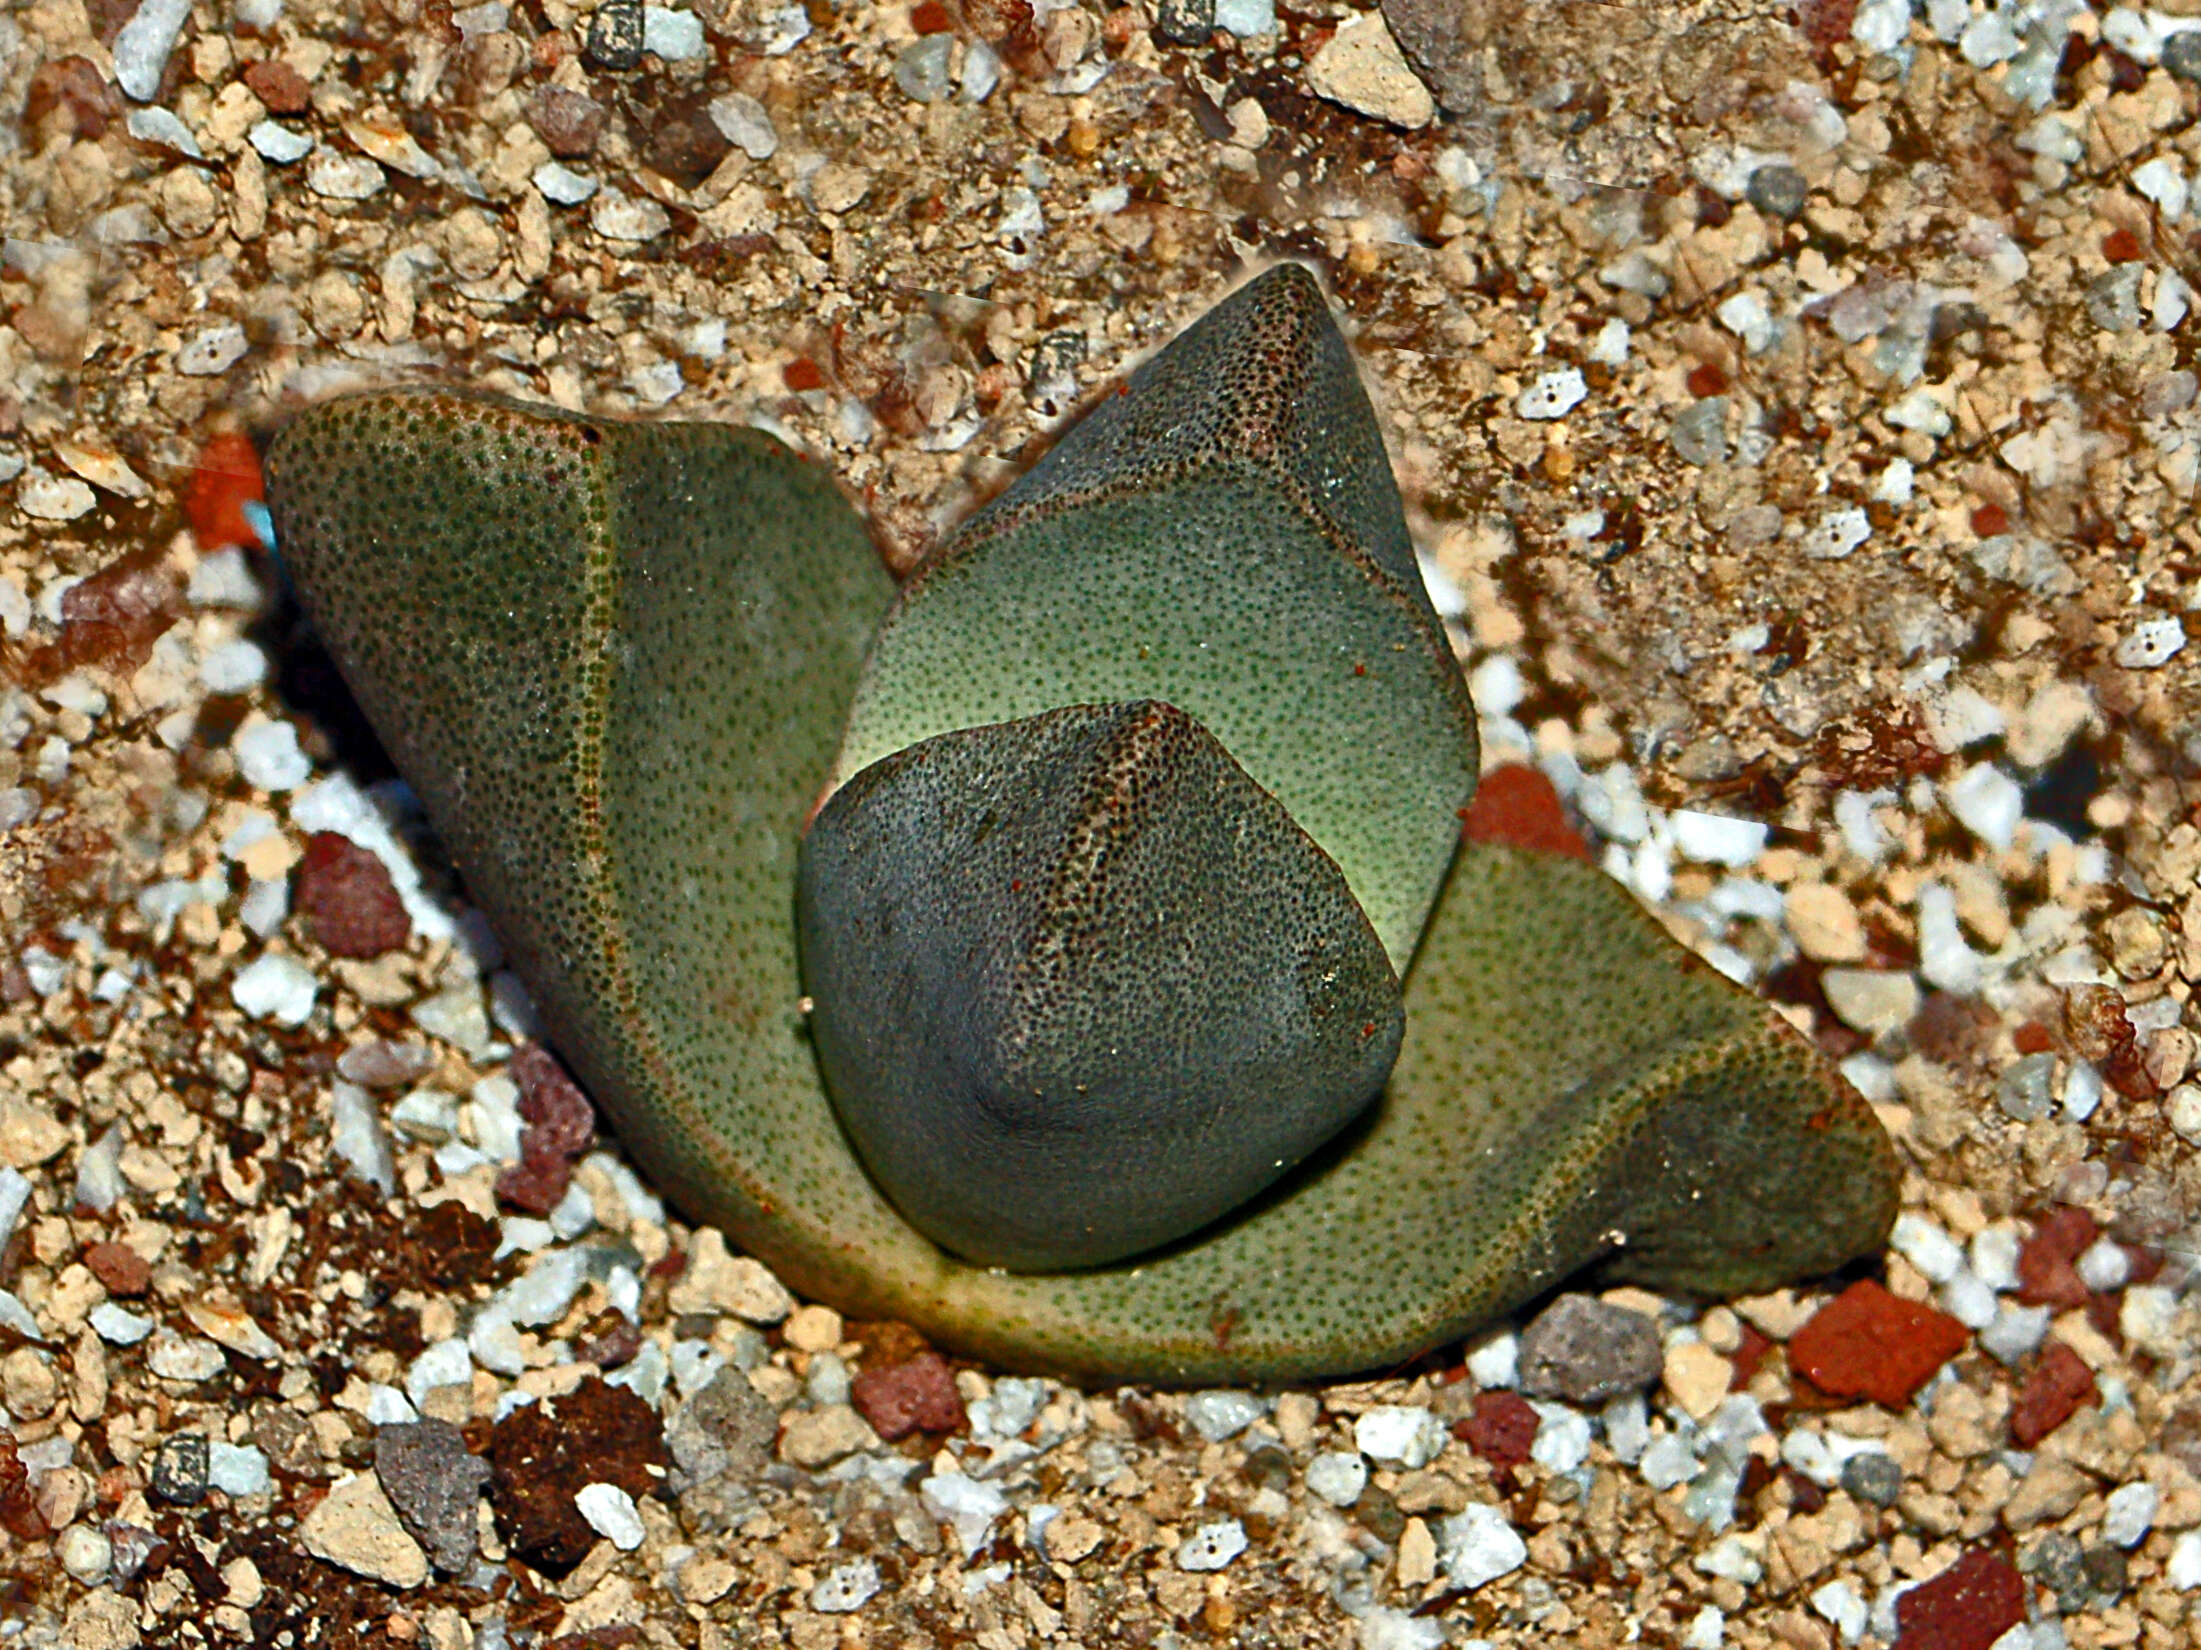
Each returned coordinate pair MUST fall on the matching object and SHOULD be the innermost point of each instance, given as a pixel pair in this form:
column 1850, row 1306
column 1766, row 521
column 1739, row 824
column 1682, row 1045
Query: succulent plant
column 1127, row 1004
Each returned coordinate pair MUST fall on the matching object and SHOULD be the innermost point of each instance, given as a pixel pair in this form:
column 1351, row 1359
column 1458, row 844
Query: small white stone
column 1554, row 395
column 175, row 1357
column 118, row 1327
column 967, row 1505
column 2105, row 1266
column 1337, row 1476
column 1707, row 1629
column 237, row 1469
column 612, row 1514
column 1496, row 1360
column 1217, row 1416
column 2151, row 643
column 562, row 185
column 1927, row 1247
column 676, row 36
column 279, row 143
column 1716, row 839
column 2130, row 1514
column 1478, row 1546
column 621, row 217
column 1407, row 1434
column 275, row 987
column 2183, row 1570
column 447, row 1363
column 1969, row 1301
column 1212, row 1546
column 45, row 496
column 746, row 124
column 1839, row 1606
column 1988, row 803
column 2182, row 1108
column 356, row 1136
column 141, row 48
column 1880, row 26
column 846, row 1587
column 1834, row 535
column 1246, row 18
column 268, row 756
column 86, row 1553
column 339, row 177
column 213, row 350
column 2148, row 1317
column 234, row 667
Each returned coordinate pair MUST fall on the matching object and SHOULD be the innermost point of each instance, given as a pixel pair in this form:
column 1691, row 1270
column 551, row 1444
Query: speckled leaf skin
column 1224, row 536
column 1081, row 986
column 621, row 764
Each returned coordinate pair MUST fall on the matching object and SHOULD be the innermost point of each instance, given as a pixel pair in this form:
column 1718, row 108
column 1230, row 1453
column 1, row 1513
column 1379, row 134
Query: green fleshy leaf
column 613, row 659
column 1081, row 986
column 1224, row 536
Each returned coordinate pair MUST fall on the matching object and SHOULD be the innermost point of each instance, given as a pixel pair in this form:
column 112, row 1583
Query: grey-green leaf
column 1224, row 536
column 1081, row 986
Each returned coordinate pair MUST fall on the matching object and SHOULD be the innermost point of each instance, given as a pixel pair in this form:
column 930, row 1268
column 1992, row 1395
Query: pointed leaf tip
column 1224, row 536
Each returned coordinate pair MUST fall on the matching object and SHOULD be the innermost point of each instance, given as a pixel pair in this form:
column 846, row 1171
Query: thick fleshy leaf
column 1224, row 536
column 1081, row 986
column 613, row 659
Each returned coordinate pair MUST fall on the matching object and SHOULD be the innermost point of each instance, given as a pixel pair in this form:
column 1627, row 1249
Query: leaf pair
column 1139, row 807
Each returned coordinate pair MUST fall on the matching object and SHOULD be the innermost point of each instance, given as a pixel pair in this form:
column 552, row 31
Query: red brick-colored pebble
column 916, row 1396
column 282, row 88
column 225, row 479
column 1502, row 1430
column 1517, row 806
column 1867, row 1343
column 557, row 1112
column 121, row 1268
column 2058, row 1385
column 1967, row 1607
column 2048, row 1273
column 350, row 904
column 561, row 1125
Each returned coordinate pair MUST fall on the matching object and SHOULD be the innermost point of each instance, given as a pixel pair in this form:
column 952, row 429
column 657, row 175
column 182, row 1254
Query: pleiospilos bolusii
column 1140, row 809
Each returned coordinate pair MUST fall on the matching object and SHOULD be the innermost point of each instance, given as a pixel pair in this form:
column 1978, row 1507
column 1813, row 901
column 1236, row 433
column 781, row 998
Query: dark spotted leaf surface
column 1081, row 986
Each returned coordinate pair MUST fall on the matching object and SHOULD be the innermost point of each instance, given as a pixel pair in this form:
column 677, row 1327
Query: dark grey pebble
column 435, row 1483
column 180, row 1470
column 1585, row 1351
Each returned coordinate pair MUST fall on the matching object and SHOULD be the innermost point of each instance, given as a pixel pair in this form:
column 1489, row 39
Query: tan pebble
column 1296, row 1414
column 1870, row 1000
column 28, row 1134
column 355, row 1528
column 1825, row 923
column 1721, row 1330
column 1072, row 1537
column 1362, row 67
column 814, row 1329
column 1417, row 1555
column 819, row 1437
column 716, row 1281
column 1697, row 1378
column 28, row 1383
column 706, row 1578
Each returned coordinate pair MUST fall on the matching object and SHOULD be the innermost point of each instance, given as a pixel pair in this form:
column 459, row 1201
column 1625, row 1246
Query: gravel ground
column 1815, row 514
